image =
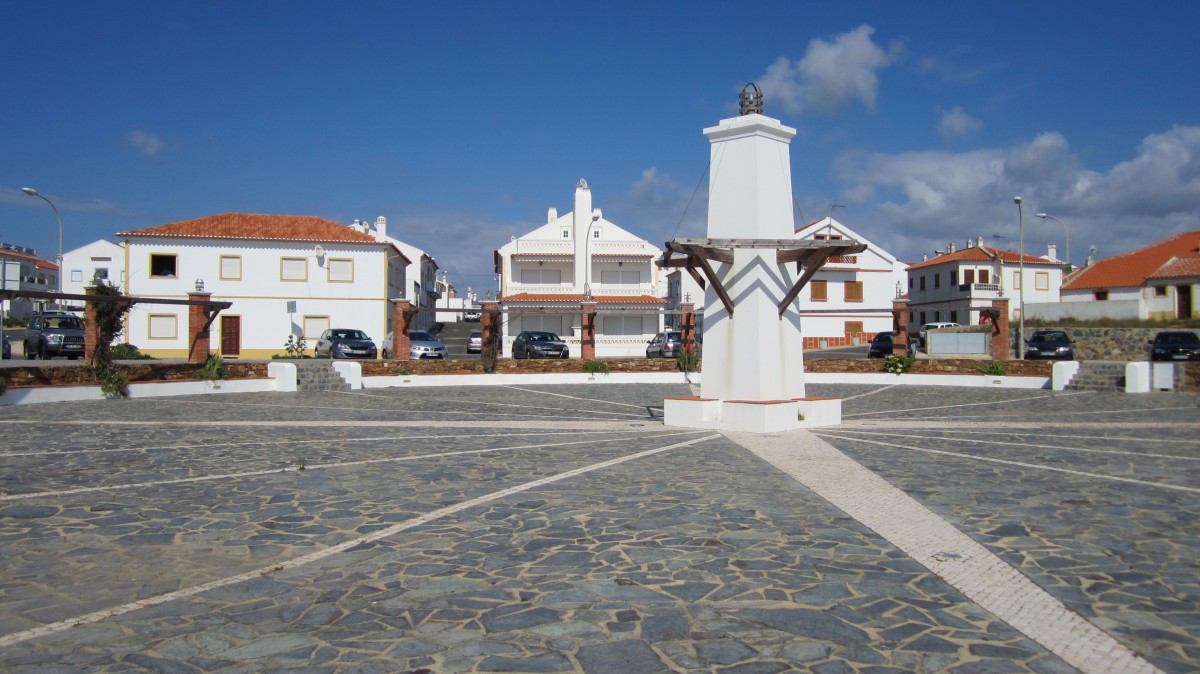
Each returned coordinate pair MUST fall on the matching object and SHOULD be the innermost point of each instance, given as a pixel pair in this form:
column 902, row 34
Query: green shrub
column 897, row 364
column 595, row 367
column 214, row 369
column 993, row 369
column 295, row 347
column 128, row 352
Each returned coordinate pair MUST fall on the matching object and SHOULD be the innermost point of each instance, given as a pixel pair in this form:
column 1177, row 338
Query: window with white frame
column 231, row 267
column 621, row 277
column 566, row 232
column 596, row 233
column 314, row 325
column 293, row 269
column 162, row 326
column 541, row 277
column 622, row 325
column 1041, row 281
column 544, row 322
column 341, row 270
column 100, row 273
column 1016, row 285
column 76, row 276
column 164, row 265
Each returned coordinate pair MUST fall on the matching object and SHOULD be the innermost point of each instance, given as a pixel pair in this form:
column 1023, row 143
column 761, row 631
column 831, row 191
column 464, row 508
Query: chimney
column 950, row 247
column 381, row 227
column 969, row 243
column 551, row 215
column 1052, row 252
column 979, row 242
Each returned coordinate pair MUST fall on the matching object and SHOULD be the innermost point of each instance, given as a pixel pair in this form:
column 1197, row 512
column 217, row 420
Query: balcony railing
column 973, row 289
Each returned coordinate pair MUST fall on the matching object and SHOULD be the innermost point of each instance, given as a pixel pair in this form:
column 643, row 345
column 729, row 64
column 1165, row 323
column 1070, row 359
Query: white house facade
column 285, row 275
column 547, row 274
column 102, row 260
column 958, row 284
column 1157, row 282
column 423, row 288
column 22, row 269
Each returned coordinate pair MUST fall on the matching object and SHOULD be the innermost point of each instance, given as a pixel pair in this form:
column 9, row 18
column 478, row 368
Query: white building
column 22, row 269
column 103, row 260
column 548, row 273
column 424, row 290
column 285, row 274
column 1158, row 282
column 957, row 284
column 850, row 297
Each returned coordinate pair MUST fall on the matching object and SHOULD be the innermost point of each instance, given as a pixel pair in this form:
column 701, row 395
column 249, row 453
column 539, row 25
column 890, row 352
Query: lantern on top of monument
column 751, row 100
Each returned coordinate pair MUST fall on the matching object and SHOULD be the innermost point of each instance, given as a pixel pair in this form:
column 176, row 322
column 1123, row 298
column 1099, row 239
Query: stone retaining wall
column 1126, row 344
column 33, row 375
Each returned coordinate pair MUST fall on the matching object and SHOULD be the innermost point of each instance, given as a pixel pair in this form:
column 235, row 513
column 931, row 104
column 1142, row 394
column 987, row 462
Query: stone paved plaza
column 565, row 529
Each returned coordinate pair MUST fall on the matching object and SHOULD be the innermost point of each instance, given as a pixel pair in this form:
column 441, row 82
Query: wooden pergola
column 696, row 256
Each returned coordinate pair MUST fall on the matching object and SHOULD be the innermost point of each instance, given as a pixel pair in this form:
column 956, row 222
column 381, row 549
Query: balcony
column 981, row 289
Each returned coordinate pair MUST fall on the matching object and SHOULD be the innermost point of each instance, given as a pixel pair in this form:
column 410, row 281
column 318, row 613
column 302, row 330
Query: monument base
column 752, row 416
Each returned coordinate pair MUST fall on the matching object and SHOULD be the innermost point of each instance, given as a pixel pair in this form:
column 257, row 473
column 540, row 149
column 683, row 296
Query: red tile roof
column 983, row 254
column 256, row 226
column 37, row 261
column 545, row 298
column 1172, row 257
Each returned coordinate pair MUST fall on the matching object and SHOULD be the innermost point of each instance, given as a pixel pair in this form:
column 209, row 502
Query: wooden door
column 231, row 335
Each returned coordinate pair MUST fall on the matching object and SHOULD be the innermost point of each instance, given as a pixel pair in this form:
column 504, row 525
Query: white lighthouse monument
column 752, row 374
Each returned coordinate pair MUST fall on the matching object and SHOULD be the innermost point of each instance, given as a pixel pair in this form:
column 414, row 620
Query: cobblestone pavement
column 564, row 529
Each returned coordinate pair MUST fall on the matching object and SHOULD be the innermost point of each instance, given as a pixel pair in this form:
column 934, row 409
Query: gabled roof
column 256, row 226
column 983, row 254
column 38, row 262
column 812, row 229
column 1167, row 259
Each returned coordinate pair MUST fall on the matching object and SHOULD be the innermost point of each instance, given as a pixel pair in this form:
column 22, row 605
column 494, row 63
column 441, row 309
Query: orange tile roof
column 256, row 226
column 981, row 254
column 1130, row 270
column 37, row 261
column 1187, row 267
column 545, row 298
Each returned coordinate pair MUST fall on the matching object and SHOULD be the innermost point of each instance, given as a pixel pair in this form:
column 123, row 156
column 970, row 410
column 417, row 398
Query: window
column 922, row 284
column 1101, row 295
column 968, row 276
column 566, row 233
column 621, row 325
column 1160, row 291
column 100, row 273
column 937, row 280
column 162, row 326
column 595, row 234
column 953, row 316
column 543, row 277
column 1041, row 280
column 922, row 317
column 293, row 269
column 853, row 327
column 314, row 325
column 76, row 276
column 819, row 291
column 231, row 267
column 1016, row 280
column 954, row 278
column 544, row 323
column 164, row 266
column 854, row 291
column 340, row 270
column 623, row 277
column 910, row 283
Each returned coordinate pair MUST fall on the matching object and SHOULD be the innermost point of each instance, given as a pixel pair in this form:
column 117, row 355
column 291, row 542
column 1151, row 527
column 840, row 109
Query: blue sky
column 463, row 122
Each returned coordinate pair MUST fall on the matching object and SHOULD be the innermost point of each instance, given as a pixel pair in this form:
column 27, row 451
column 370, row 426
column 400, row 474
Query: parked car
column 664, row 345
column 54, row 334
column 7, row 348
column 881, row 345
column 472, row 316
column 1049, row 344
column 1175, row 345
column 537, row 344
column 475, row 342
column 422, row 344
column 933, row 326
column 344, row 343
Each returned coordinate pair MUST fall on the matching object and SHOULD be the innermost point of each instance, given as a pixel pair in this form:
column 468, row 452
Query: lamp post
column 587, row 261
column 34, row 193
column 1021, row 276
column 1066, row 233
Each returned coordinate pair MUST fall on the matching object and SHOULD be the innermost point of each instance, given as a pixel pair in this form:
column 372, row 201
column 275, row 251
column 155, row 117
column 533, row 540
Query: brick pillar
column 489, row 327
column 402, row 315
column 1001, row 348
column 687, row 324
column 900, row 327
column 587, row 331
column 91, row 331
column 198, row 333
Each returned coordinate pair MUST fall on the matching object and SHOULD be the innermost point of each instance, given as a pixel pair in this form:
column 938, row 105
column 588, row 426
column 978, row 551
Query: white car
column 934, row 326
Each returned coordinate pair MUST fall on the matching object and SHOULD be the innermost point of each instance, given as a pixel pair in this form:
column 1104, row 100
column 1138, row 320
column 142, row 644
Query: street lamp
column 34, row 193
column 1021, row 276
column 1066, row 233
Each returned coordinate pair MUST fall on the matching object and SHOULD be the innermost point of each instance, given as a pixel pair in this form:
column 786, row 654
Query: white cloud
column 146, row 144
column 955, row 123
column 929, row 198
column 830, row 76
column 659, row 208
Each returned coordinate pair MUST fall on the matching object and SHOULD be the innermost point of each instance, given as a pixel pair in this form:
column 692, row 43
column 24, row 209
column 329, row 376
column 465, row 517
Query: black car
column 344, row 343
column 881, row 345
column 536, row 344
column 1049, row 345
column 1175, row 345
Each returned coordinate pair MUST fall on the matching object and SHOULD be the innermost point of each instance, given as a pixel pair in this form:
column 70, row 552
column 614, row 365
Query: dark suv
column 54, row 334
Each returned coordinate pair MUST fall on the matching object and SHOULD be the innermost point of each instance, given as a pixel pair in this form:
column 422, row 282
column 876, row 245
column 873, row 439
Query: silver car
column 422, row 344
column 475, row 342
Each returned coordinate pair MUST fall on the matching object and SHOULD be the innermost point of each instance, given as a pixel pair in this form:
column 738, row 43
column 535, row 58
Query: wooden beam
column 716, row 284
column 804, row 279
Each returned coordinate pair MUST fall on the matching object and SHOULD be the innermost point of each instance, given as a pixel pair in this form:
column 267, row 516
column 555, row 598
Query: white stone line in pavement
column 1024, row 428
column 312, row 466
column 291, row 442
column 460, row 404
column 1027, row 445
column 97, row 616
column 586, row 425
column 957, row 558
column 970, row 430
column 563, row 395
column 871, row 393
column 552, row 413
column 1059, row 413
column 990, row 403
column 1019, row 464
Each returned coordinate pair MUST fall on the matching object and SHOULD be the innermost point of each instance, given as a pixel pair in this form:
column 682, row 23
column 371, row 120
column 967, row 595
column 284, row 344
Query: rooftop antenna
column 833, row 206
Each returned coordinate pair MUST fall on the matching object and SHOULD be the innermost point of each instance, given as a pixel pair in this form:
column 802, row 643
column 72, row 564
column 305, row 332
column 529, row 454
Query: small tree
column 109, row 316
